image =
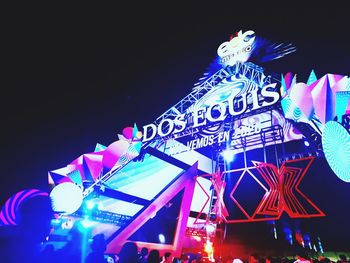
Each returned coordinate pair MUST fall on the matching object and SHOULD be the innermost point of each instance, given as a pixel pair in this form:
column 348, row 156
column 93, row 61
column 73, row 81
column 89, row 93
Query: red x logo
column 282, row 191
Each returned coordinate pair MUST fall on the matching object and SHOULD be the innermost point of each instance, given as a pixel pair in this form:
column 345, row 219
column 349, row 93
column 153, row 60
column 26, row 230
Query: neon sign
column 282, row 193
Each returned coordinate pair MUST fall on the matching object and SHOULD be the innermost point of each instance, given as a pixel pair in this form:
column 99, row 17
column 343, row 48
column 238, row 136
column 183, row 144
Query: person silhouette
column 154, row 256
column 128, row 253
column 168, row 257
column 143, row 255
column 72, row 251
column 98, row 247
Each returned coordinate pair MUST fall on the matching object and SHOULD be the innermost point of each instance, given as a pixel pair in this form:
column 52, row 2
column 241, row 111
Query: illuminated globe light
column 66, row 198
column 336, row 147
column 139, row 135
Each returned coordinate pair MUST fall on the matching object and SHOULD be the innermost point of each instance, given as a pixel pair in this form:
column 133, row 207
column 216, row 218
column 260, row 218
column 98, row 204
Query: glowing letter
column 196, row 116
column 179, row 122
column 231, row 105
column 145, row 132
column 270, row 94
column 222, row 112
column 169, row 127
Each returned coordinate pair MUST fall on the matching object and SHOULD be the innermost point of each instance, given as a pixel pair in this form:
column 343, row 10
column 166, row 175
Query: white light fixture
column 66, row 198
column 228, row 155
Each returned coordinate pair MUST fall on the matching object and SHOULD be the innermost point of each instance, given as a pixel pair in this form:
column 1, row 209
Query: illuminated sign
column 281, row 192
column 238, row 48
column 235, row 104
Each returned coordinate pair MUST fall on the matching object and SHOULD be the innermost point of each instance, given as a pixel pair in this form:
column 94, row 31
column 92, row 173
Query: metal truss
column 247, row 70
column 197, row 93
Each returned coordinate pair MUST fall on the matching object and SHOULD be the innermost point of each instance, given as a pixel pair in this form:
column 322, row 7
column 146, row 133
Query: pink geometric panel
column 113, row 152
column 323, row 98
column 94, row 164
column 301, row 96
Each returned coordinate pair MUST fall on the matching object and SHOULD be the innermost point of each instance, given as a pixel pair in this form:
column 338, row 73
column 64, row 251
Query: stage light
column 336, row 147
column 161, row 238
column 306, row 143
column 90, row 204
column 228, row 155
column 67, row 224
column 56, row 222
column 320, row 244
column 86, row 223
column 208, row 247
column 210, row 228
column 66, row 198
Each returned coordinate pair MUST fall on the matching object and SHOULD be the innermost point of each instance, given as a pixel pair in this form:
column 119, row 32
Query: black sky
column 76, row 75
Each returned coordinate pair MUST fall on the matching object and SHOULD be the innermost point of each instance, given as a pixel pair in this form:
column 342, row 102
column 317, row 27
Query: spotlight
column 90, row 205
column 86, row 223
column 210, row 228
column 161, row 238
column 228, row 155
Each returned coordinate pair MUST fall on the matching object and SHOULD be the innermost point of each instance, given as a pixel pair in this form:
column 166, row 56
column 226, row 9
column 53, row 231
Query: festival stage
column 246, row 155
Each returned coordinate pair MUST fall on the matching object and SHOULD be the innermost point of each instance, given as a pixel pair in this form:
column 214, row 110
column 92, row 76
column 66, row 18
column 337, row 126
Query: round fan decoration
column 336, row 147
column 9, row 211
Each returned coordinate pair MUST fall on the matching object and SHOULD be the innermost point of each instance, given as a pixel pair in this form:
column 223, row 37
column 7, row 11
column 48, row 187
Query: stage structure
column 170, row 185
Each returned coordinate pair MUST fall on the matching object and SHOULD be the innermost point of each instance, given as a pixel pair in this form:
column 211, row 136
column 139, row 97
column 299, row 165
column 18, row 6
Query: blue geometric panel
column 336, row 147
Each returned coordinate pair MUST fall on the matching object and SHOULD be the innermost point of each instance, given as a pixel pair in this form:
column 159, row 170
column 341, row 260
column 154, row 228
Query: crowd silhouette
column 27, row 242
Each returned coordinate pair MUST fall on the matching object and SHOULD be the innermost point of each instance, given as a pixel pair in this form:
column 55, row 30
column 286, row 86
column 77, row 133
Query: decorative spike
column 283, row 87
column 76, row 177
column 134, row 131
column 294, row 80
column 288, row 79
column 99, row 147
column 312, row 78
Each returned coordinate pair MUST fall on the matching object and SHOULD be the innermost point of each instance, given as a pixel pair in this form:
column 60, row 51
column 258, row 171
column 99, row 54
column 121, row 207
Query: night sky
column 74, row 76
